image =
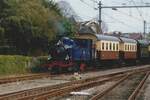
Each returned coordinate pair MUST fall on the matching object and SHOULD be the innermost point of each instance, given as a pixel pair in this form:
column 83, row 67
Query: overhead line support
column 115, row 8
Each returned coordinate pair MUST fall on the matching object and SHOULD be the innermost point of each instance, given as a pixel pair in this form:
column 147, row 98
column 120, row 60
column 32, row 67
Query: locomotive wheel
column 73, row 68
column 56, row 70
column 76, row 68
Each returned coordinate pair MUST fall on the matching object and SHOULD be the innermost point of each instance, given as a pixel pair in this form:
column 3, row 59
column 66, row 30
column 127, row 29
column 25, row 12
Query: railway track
column 22, row 78
column 133, row 95
column 137, row 90
column 4, row 80
column 43, row 93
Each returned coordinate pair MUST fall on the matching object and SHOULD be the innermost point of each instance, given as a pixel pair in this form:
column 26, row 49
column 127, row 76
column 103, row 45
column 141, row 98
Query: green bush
column 21, row 64
column 37, row 64
column 13, row 64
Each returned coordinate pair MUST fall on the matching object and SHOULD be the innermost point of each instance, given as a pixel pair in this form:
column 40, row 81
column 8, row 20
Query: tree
column 30, row 24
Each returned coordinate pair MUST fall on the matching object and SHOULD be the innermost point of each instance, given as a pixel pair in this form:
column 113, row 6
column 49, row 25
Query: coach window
column 125, row 47
column 110, row 46
column 117, row 47
column 102, row 45
column 106, row 46
column 128, row 47
column 135, row 47
column 114, row 46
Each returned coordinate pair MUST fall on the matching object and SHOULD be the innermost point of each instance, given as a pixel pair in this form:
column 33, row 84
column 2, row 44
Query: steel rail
column 66, row 90
column 44, row 90
column 4, row 80
column 100, row 95
column 135, row 93
column 22, row 78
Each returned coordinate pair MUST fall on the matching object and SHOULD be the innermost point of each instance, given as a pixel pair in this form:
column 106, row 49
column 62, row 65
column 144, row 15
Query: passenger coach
column 107, row 47
column 128, row 50
column 104, row 48
column 143, row 51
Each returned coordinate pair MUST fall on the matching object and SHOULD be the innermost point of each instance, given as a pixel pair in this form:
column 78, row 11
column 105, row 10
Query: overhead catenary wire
column 94, row 1
column 86, row 4
column 142, row 1
column 140, row 13
column 90, row 17
column 118, row 11
column 136, row 18
column 123, row 23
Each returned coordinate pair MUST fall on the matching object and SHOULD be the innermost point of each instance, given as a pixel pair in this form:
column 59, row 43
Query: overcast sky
column 124, row 20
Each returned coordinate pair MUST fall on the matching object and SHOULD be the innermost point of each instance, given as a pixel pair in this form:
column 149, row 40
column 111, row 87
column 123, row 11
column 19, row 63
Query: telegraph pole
column 144, row 31
column 100, row 18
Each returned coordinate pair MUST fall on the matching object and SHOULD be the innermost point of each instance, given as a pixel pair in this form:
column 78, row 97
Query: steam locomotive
column 95, row 50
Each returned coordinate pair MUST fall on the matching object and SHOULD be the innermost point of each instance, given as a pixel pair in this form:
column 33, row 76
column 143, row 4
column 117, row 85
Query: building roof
column 86, row 30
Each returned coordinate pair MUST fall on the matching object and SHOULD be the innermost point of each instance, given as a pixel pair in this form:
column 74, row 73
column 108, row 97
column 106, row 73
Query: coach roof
column 127, row 40
column 143, row 42
column 107, row 37
column 100, row 37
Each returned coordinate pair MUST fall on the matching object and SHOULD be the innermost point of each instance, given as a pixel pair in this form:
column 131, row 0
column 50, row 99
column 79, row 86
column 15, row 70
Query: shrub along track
column 43, row 93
